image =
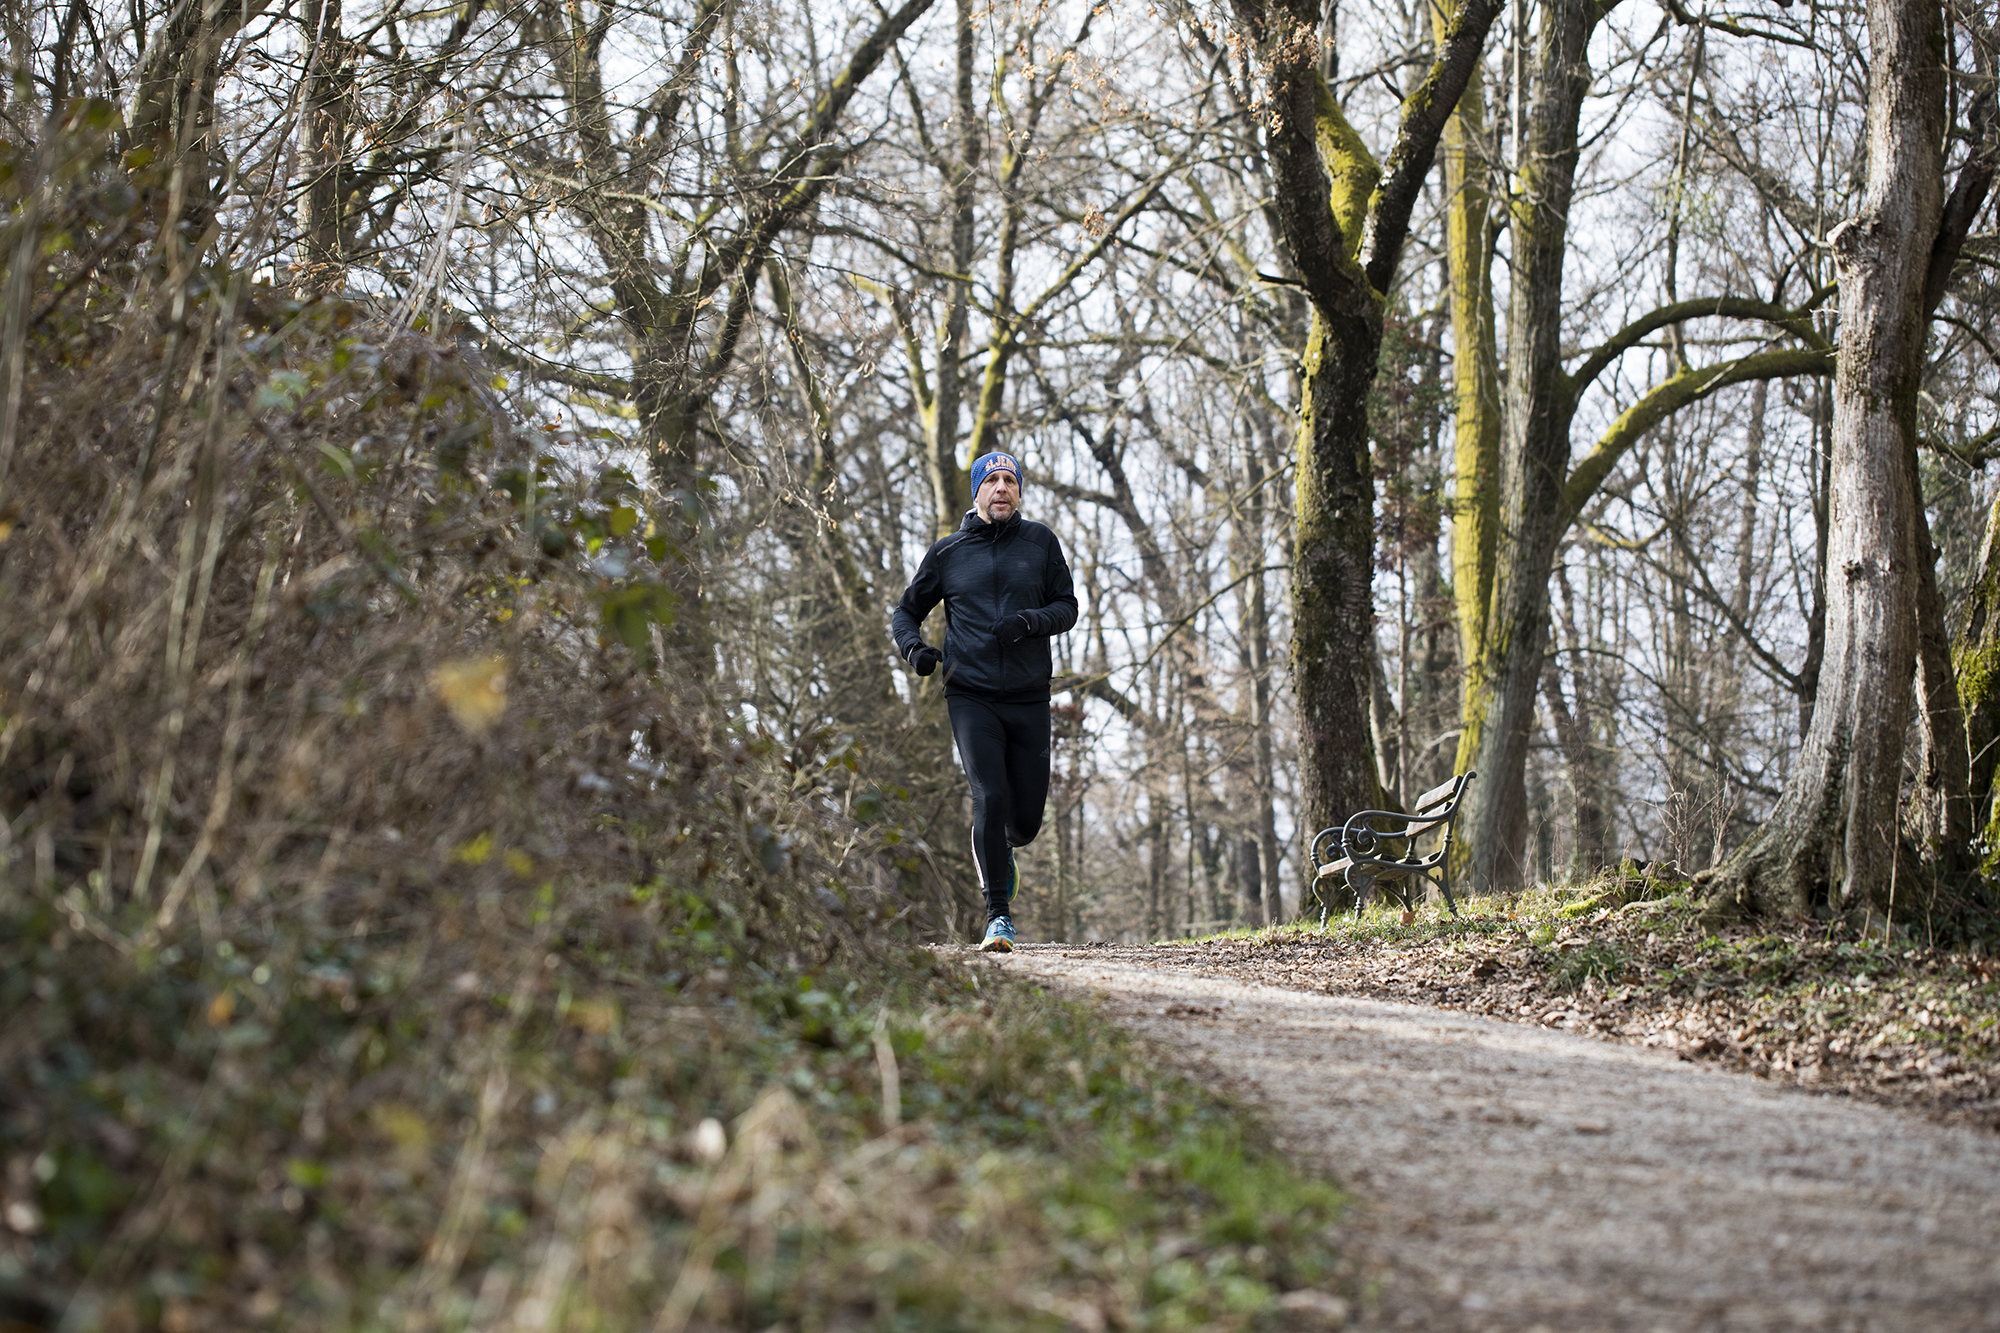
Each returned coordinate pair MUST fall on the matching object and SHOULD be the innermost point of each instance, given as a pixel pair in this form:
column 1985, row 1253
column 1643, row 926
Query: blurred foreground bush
column 395, row 934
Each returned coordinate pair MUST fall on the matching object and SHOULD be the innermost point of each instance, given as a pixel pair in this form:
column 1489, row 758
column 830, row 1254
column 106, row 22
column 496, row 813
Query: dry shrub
column 360, row 822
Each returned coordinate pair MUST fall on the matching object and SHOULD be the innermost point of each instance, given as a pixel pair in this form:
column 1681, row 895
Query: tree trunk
column 669, row 424
column 1065, row 799
column 1940, row 808
column 1257, row 644
column 1333, row 566
column 1589, row 833
column 951, row 487
column 1386, row 732
column 1683, row 684
column 1535, row 459
column 329, row 97
column 1541, row 494
column 1949, row 805
column 1250, row 768
column 1816, row 614
column 1731, row 729
column 1249, row 878
column 1746, row 524
column 1344, row 220
column 1831, row 844
column 1159, row 915
column 1976, row 667
column 173, row 103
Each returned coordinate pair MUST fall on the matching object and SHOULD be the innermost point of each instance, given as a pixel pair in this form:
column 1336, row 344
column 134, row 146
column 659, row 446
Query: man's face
column 999, row 496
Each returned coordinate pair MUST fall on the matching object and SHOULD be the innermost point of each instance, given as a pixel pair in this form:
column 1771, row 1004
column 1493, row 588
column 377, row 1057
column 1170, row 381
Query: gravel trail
column 1516, row 1178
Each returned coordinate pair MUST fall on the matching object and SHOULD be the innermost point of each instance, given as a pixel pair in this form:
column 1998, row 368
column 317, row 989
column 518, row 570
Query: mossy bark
column 1344, row 218
column 1475, row 509
column 1320, row 205
column 1831, row 845
column 1537, row 514
column 1975, row 653
column 1333, row 566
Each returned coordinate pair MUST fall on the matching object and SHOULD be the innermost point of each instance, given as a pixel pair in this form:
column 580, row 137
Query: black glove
column 925, row 659
column 1016, row 628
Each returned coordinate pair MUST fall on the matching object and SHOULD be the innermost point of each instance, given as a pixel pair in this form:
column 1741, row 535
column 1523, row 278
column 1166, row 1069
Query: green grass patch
column 283, row 1130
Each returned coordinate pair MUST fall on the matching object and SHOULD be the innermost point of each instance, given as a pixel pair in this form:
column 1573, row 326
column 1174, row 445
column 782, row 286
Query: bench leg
column 1319, row 892
column 1443, row 882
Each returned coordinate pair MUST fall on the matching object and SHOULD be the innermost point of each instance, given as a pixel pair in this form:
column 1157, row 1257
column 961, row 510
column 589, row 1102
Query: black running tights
column 1005, row 751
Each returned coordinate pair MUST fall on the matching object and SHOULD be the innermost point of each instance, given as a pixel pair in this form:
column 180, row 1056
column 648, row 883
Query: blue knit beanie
column 987, row 463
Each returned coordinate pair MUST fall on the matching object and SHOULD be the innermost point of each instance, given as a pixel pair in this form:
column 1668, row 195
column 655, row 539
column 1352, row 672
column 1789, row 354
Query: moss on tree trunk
column 1975, row 660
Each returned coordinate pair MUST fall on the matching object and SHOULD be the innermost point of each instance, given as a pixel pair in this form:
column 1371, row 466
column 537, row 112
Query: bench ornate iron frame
column 1379, row 847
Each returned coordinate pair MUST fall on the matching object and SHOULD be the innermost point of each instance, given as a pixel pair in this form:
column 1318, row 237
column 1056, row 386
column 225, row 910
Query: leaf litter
column 1796, row 1003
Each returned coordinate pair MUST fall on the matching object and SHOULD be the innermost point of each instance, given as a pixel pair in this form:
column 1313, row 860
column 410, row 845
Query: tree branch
column 1794, row 322
column 1663, row 400
column 1097, row 687
column 1733, row 28
column 1968, row 196
column 1425, row 113
column 527, row 362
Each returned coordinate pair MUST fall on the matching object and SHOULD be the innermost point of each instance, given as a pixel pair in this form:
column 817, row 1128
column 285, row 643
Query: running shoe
column 999, row 936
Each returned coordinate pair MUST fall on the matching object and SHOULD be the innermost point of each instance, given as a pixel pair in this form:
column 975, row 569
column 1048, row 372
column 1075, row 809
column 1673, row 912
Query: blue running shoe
column 999, row 936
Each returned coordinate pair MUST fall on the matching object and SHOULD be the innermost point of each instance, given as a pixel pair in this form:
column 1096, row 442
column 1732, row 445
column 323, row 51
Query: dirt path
column 1517, row 1178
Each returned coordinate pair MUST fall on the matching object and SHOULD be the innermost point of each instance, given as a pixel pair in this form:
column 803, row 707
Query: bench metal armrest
column 1360, row 837
column 1324, row 843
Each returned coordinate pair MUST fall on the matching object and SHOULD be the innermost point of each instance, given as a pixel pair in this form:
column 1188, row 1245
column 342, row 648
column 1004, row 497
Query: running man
column 1006, row 589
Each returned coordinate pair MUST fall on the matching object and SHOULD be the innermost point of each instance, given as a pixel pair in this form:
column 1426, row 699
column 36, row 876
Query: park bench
column 1379, row 847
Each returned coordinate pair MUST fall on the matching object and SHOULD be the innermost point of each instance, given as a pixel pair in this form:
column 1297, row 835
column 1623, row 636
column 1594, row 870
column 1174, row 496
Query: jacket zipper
column 993, row 556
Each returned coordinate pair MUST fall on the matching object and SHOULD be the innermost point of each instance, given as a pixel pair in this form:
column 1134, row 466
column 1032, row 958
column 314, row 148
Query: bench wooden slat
column 1437, row 795
column 1335, row 867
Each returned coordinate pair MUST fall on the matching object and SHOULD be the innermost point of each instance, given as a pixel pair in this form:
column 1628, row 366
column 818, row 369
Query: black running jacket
column 984, row 573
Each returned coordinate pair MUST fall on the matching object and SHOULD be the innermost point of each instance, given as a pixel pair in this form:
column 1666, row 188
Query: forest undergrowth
column 1627, row 956
column 399, row 930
